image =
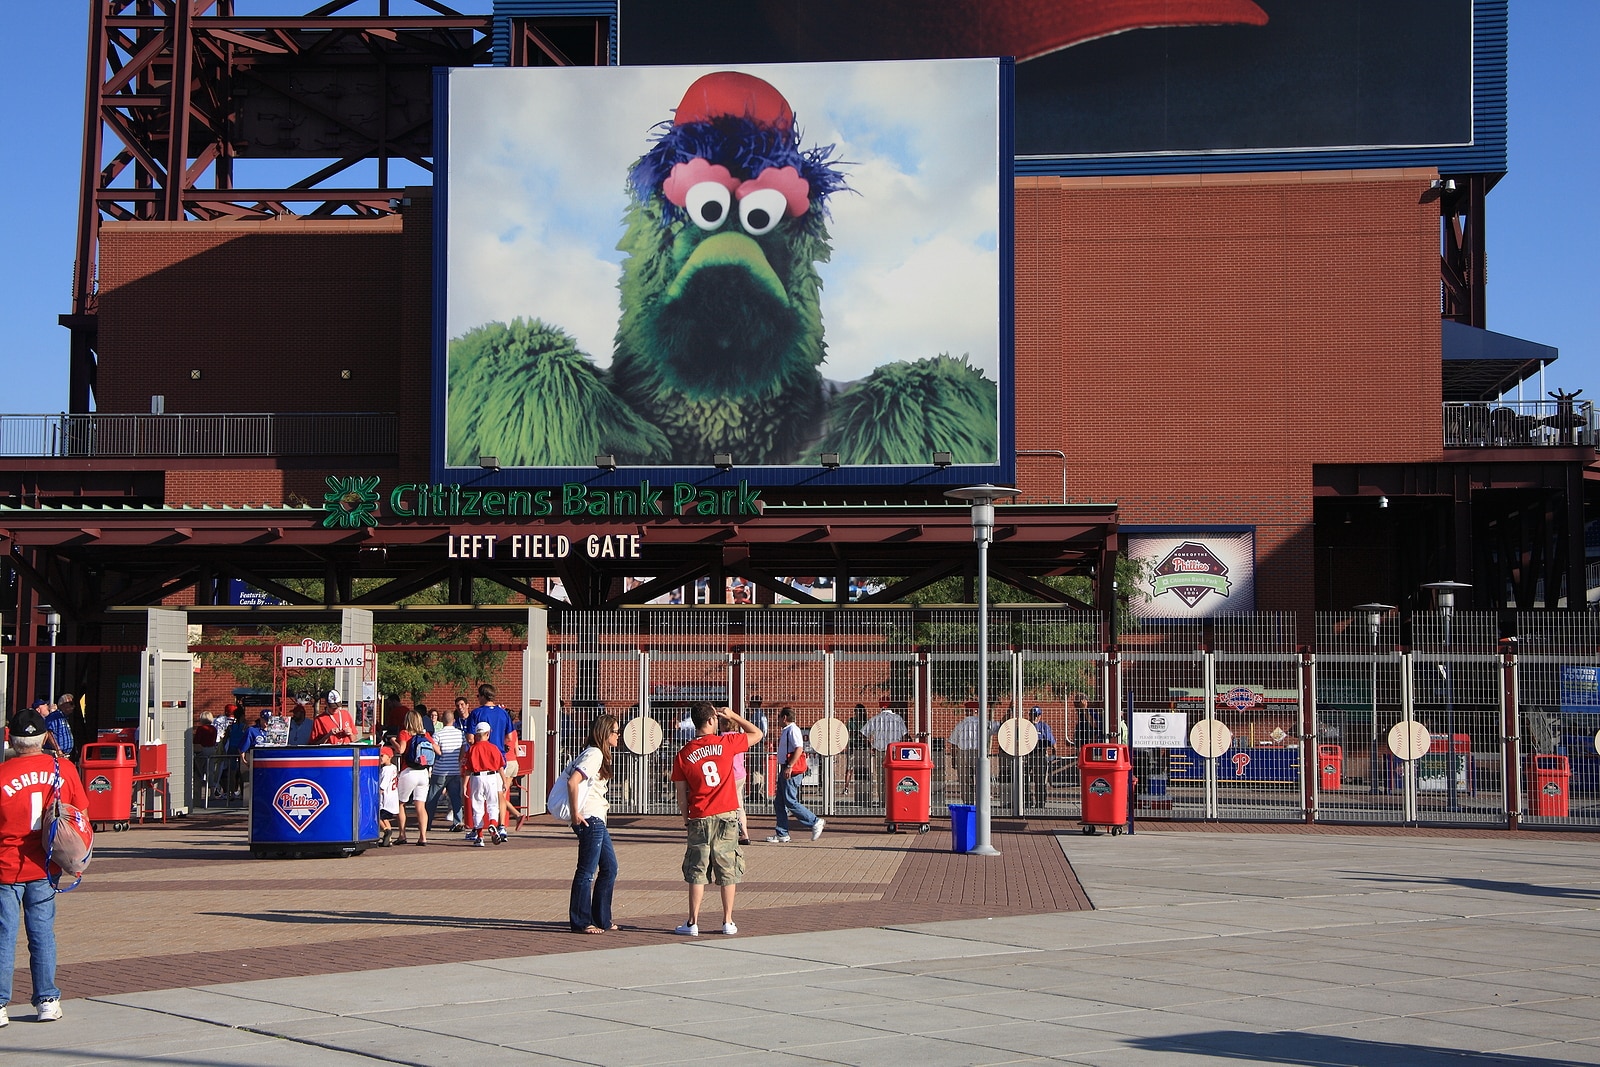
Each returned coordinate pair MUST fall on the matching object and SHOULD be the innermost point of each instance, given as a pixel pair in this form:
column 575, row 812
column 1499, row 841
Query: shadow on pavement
column 1326, row 1050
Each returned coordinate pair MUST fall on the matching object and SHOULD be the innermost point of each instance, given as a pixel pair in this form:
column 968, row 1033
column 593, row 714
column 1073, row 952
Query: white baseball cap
column 333, row 696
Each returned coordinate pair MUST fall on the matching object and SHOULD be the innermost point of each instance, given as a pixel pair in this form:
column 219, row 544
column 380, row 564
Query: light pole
column 982, row 498
column 52, row 625
column 1444, row 599
column 1375, row 614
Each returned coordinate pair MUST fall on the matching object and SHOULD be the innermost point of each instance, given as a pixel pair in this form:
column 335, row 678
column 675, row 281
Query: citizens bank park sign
column 356, row 501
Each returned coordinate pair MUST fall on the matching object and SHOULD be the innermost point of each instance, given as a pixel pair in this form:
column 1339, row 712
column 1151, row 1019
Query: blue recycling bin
column 963, row 827
column 321, row 800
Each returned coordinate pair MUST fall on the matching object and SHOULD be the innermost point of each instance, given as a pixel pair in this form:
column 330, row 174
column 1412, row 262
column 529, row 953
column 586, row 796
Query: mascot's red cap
column 727, row 92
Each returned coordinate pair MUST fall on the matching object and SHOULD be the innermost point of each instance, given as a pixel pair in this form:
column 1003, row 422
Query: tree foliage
column 400, row 674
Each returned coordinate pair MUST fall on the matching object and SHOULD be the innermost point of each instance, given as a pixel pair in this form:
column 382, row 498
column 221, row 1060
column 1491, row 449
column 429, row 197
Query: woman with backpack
column 418, row 753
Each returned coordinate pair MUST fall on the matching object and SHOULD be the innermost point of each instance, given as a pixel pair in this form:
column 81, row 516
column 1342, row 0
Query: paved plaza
column 1243, row 944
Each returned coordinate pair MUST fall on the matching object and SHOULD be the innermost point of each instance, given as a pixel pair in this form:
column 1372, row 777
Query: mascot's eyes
column 760, row 210
column 707, row 204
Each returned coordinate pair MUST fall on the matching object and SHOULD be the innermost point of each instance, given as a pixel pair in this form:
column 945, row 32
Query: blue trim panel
column 1007, row 75
column 506, row 10
column 441, row 259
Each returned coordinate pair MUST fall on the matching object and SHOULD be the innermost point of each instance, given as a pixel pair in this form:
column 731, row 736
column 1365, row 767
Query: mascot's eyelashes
column 707, row 204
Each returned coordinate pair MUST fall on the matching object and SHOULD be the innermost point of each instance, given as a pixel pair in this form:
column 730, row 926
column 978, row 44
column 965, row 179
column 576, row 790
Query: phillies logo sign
column 300, row 801
column 1190, row 572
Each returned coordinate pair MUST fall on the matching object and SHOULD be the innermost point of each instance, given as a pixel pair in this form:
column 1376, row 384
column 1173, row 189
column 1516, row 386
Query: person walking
column 1037, row 766
column 418, row 755
column 445, row 778
column 503, row 735
column 702, row 776
column 965, row 740
column 28, row 783
column 482, row 765
column 792, row 767
column 587, row 776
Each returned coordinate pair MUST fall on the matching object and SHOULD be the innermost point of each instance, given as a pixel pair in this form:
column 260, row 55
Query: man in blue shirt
column 1037, row 768
column 60, row 728
column 502, row 734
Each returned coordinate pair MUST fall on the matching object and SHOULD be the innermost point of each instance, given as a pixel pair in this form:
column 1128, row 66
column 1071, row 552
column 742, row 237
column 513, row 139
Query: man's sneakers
column 778, row 839
column 688, row 929
column 49, row 1010
column 5, row 1020
column 816, row 828
column 730, row 929
column 499, row 835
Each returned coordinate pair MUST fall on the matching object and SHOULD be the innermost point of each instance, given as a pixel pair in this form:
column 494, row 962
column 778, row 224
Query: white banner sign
column 309, row 653
column 1160, row 729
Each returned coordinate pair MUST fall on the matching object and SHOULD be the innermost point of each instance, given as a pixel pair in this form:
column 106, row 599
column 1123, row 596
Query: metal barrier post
column 1311, row 780
column 1208, row 673
column 1408, row 768
column 1511, row 733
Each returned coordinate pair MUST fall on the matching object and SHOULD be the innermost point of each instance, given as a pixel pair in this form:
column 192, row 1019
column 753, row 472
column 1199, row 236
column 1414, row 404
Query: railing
column 1520, row 424
column 99, row 436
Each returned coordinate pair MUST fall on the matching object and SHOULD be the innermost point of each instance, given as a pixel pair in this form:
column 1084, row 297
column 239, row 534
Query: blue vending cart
column 319, row 801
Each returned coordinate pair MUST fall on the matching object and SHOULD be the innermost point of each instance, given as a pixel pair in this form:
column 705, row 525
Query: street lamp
column 1444, row 601
column 52, row 625
column 982, row 498
column 1375, row 615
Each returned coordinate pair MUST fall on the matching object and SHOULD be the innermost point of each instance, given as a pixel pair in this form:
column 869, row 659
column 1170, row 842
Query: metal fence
column 1510, row 725
column 90, row 436
column 1519, row 424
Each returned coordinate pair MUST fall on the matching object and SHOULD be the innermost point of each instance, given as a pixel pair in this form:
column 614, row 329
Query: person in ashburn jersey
column 27, row 899
column 333, row 726
column 703, row 775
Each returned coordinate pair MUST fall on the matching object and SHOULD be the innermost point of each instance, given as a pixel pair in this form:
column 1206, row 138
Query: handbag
column 68, row 839
column 558, row 803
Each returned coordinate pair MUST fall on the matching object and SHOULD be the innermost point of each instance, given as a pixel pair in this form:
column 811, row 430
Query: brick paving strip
column 154, row 890
column 185, row 905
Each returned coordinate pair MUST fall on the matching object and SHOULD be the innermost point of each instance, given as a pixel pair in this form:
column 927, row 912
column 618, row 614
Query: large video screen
column 1131, row 77
column 762, row 266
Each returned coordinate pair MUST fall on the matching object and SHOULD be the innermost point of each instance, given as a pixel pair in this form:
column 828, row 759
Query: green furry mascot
column 720, row 345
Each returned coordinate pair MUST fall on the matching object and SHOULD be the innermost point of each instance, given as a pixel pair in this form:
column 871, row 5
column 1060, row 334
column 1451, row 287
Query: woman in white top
column 587, row 777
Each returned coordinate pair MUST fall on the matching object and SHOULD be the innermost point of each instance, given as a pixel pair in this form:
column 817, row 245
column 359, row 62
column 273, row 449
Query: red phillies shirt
column 333, row 727
column 26, row 786
column 706, row 766
column 481, row 756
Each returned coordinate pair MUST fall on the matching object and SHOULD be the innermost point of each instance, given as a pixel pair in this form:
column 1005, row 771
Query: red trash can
column 1551, row 777
column 1330, row 765
column 908, row 779
column 108, row 779
column 1104, row 772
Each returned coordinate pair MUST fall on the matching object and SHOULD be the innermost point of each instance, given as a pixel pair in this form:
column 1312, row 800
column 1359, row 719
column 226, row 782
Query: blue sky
column 1542, row 227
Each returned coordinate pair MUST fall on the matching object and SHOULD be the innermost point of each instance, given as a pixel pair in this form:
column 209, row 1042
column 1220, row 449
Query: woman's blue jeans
column 595, row 877
column 31, row 905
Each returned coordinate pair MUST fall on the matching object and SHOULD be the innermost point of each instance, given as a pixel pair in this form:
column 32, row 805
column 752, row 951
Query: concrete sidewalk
column 1203, row 948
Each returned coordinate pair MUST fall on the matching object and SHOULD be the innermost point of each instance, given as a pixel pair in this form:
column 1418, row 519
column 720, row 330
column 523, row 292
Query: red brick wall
column 1196, row 343
column 270, row 313
column 230, row 488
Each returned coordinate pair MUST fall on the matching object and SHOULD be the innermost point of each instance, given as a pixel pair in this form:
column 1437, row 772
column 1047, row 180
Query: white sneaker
column 688, row 930
column 49, row 1010
column 816, row 828
column 778, row 839
column 5, row 1020
column 730, row 929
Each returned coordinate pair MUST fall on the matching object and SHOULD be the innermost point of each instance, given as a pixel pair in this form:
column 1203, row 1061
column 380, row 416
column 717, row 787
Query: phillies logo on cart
column 299, row 802
column 1190, row 571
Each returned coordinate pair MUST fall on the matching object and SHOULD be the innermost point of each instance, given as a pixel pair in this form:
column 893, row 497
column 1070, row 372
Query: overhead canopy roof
column 1483, row 365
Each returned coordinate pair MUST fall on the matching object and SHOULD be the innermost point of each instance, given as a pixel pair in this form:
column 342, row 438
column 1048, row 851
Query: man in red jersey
column 27, row 899
column 708, row 799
